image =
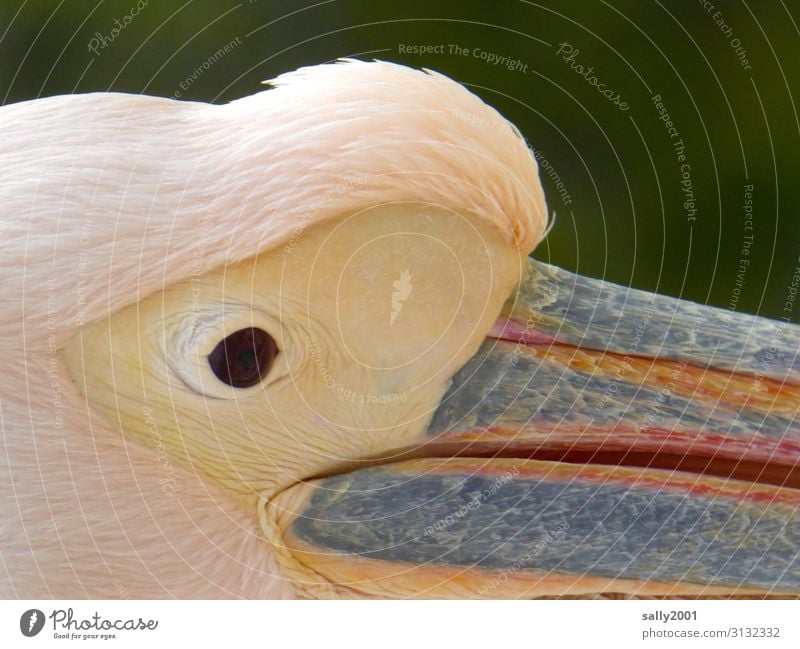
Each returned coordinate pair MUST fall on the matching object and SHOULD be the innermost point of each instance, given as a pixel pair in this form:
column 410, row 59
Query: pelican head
column 294, row 345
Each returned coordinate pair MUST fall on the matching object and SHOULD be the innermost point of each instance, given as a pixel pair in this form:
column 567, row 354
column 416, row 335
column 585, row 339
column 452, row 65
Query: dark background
column 626, row 221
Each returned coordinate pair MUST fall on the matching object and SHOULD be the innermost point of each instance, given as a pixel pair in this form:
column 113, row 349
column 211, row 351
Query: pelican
column 295, row 346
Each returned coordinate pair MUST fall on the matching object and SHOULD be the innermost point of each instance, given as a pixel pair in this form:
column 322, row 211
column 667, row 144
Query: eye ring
column 243, row 358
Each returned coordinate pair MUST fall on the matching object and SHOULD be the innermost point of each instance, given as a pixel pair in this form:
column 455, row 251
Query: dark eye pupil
column 243, row 358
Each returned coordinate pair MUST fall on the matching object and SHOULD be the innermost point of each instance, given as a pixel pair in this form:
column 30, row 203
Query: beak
column 602, row 440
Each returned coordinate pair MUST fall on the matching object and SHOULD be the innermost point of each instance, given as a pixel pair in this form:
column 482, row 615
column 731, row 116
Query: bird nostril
column 244, row 358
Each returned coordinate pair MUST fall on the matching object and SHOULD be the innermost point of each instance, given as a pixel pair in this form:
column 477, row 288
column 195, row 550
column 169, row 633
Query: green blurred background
column 728, row 74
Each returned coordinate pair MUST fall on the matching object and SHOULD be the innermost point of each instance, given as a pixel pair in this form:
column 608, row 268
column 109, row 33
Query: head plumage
column 112, row 196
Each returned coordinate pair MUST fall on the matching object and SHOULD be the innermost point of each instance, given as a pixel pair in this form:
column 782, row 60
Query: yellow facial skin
column 372, row 314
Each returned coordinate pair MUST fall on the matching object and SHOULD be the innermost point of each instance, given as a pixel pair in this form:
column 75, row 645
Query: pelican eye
column 244, row 358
